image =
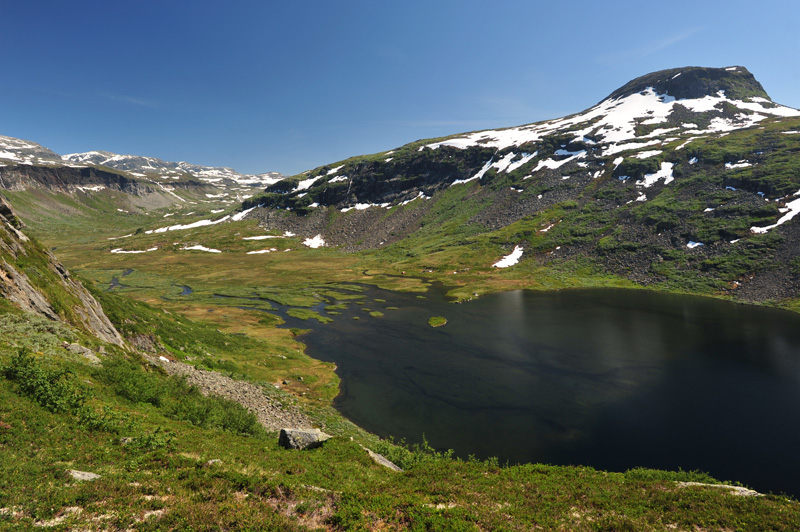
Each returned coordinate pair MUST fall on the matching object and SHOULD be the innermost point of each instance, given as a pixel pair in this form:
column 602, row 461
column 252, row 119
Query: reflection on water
column 609, row 378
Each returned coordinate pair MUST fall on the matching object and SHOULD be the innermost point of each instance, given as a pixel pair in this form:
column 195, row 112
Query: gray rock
column 733, row 490
column 302, row 438
column 270, row 412
column 85, row 352
column 92, row 359
column 382, row 460
column 82, row 475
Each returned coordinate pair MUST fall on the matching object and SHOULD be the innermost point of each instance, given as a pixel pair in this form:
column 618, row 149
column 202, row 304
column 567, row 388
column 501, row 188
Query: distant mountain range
column 16, row 151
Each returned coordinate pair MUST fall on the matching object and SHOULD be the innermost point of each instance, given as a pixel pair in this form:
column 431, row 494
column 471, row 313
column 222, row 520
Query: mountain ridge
column 16, row 152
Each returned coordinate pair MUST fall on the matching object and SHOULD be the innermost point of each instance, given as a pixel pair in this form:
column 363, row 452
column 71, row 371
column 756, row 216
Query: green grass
column 437, row 321
column 202, row 478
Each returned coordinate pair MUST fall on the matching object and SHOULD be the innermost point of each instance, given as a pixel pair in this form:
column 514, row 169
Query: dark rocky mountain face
column 67, row 179
column 696, row 82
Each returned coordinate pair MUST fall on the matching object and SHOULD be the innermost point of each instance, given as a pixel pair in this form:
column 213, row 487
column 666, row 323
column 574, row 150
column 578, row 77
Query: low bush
column 57, row 390
column 128, row 380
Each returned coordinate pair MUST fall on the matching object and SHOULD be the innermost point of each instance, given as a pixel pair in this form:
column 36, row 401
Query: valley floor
column 169, row 458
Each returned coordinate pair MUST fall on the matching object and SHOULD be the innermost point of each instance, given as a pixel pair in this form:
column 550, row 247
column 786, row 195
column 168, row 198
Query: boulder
column 82, row 475
column 302, row 438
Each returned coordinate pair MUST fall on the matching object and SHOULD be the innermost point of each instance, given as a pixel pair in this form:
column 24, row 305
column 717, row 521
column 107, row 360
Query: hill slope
column 33, row 280
column 685, row 179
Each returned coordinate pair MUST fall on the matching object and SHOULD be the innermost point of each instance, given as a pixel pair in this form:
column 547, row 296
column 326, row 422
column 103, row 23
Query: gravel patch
column 270, row 413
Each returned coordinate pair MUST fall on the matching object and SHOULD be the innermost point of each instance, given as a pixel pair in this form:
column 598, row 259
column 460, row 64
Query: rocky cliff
column 32, row 279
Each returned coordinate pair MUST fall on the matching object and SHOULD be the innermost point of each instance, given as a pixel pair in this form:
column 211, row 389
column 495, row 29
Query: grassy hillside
column 171, row 459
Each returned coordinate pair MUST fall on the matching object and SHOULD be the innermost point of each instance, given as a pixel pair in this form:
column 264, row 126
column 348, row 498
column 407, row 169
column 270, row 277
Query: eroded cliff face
column 32, row 279
column 67, row 179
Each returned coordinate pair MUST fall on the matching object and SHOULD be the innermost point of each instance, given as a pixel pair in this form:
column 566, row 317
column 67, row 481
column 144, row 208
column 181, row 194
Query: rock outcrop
column 32, row 279
column 302, row 438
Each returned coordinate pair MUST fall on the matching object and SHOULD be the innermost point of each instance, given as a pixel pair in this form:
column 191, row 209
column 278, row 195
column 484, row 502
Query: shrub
column 56, row 390
column 129, row 380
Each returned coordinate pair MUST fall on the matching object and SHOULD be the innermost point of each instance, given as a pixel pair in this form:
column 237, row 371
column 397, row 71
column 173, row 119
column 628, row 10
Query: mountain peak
column 696, row 82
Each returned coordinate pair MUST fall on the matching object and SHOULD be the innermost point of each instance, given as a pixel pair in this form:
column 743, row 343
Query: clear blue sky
column 286, row 86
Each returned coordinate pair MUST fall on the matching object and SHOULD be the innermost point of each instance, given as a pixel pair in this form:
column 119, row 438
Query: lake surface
column 613, row 379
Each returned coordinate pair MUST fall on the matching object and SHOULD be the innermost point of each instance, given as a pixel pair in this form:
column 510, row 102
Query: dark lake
column 613, row 379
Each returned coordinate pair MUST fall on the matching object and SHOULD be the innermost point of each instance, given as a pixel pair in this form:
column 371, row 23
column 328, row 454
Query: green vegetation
column 180, row 467
column 437, row 321
column 306, row 314
column 188, row 480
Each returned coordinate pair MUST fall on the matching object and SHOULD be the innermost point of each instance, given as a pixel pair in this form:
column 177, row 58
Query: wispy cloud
column 647, row 48
column 132, row 100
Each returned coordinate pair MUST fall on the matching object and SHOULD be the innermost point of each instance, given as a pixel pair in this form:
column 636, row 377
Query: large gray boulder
column 302, row 438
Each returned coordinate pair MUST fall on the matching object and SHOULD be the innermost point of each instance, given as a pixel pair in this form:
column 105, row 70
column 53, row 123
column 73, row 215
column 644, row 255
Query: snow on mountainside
column 17, row 151
column 632, row 119
column 161, row 174
column 142, row 166
column 646, row 118
column 690, row 164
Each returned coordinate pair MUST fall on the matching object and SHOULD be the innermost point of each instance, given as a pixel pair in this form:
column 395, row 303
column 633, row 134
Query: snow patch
column 791, row 210
column 511, row 259
column 194, row 225
column 306, row 183
column 240, row 215
column 418, row 196
column 261, row 237
column 692, row 244
column 651, row 179
column 201, row 248
column 316, row 242
column 261, row 251
column 334, row 170
column 120, row 250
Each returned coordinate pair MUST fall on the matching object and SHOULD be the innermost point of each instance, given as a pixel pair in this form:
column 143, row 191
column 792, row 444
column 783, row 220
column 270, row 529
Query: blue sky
column 287, row 86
